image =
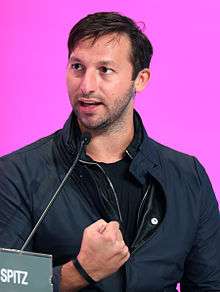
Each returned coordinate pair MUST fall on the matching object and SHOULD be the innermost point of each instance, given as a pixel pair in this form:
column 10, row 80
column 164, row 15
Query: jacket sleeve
column 202, row 267
column 16, row 205
column 16, row 215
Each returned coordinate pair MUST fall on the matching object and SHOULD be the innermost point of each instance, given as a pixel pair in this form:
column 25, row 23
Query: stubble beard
column 115, row 116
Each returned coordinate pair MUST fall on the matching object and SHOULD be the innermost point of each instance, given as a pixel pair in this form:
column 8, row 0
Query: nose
column 89, row 82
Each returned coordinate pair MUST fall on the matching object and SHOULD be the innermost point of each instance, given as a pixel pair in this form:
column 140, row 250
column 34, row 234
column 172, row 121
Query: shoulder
column 178, row 164
column 166, row 155
column 186, row 177
column 28, row 158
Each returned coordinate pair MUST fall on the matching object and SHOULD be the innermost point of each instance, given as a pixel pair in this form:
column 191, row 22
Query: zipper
column 118, row 207
column 110, row 183
column 142, row 222
column 128, row 153
column 140, row 207
column 144, row 241
column 142, row 202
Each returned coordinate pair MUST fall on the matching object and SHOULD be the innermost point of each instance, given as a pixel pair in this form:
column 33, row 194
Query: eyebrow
column 107, row 62
column 103, row 62
column 74, row 59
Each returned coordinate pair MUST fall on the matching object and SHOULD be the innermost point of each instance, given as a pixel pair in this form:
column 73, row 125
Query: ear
column 142, row 80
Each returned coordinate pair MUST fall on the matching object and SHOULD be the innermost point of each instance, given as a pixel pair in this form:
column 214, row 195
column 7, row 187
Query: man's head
column 99, row 24
column 108, row 63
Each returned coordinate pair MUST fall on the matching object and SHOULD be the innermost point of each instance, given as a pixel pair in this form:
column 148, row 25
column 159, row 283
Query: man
column 134, row 215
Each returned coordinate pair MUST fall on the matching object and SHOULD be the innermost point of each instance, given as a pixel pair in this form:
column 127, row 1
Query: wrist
column 81, row 270
column 93, row 272
column 71, row 280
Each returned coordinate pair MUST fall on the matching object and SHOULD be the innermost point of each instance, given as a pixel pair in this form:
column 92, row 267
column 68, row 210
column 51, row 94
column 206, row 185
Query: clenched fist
column 103, row 250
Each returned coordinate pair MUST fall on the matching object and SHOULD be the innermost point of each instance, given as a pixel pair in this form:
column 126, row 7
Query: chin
column 94, row 125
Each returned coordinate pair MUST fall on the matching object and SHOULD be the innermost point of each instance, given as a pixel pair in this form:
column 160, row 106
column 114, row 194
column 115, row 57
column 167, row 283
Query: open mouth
column 88, row 103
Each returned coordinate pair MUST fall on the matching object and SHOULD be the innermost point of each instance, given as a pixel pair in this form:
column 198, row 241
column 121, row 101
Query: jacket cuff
column 56, row 278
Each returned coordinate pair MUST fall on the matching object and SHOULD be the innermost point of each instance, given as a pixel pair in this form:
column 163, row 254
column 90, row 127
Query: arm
column 71, row 280
column 102, row 253
column 15, row 211
column 202, row 267
column 16, row 217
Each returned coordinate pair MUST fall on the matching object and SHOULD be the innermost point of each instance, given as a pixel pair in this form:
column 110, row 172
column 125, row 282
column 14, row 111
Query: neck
column 109, row 146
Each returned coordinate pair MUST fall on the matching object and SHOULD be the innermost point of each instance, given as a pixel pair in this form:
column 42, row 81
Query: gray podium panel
column 26, row 271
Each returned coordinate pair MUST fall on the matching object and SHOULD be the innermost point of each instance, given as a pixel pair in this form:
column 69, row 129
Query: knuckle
column 119, row 232
column 100, row 221
column 86, row 230
column 121, row 245
column 125, row 250
column 110, row 238
column 126, row 257
column 119, row 235
column 120, row 248
column 114, row 224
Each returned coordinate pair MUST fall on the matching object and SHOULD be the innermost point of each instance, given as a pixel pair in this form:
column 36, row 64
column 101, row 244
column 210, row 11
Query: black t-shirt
column 129, row 192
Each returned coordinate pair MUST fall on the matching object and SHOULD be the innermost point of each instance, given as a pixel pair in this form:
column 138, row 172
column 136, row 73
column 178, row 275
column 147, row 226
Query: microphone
column 85, row 139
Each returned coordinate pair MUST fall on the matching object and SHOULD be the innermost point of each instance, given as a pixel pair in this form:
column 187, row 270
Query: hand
column 103, row 250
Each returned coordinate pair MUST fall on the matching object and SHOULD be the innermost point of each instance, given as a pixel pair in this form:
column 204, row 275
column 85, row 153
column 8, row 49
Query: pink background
column 180, row 107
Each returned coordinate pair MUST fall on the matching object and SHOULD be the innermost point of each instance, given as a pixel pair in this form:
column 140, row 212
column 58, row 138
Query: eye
column 77, row 67
column 106, row 70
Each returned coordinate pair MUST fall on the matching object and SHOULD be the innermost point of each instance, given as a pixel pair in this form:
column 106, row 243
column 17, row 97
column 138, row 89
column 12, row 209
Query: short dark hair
column 99, row 24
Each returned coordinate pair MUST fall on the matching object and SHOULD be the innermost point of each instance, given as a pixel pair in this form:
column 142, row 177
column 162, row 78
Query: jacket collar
column 145, row 157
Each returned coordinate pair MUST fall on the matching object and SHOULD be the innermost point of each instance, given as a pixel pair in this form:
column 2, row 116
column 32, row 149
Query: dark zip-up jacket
column 183, row 247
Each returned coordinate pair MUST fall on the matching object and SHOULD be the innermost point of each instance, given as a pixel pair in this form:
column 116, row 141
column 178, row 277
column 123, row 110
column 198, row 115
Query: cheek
column 71, row 90
column 118, row 91
column 72, row 85
column 111, row 88
column 119, row 85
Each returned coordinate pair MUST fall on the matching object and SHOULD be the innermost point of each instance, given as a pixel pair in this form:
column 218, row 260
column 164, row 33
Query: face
column 99, row 82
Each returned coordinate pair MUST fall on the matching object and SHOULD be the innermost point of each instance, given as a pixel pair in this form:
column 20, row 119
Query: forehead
column 113, row 47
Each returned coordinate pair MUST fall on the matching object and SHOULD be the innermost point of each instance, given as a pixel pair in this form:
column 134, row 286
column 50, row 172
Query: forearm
column 71, row 280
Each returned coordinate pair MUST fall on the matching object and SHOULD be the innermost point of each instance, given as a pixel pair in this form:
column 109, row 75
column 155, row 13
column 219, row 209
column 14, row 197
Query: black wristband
column 82, row 272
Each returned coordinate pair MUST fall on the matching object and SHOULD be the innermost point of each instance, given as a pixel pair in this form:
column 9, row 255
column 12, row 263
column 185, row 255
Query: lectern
column 25, row 271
